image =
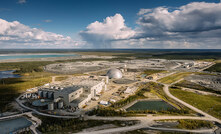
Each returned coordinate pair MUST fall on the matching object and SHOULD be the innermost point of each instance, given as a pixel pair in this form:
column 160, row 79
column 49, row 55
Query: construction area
column 99, row 83
column 157, row 64
column 82, row 92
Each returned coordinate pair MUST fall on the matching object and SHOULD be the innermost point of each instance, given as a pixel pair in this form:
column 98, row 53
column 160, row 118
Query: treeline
column 189, row 55
column 215, row 68
column 50, row 124
column 25, row 67
column 25, row 132
column 108, row 111
column 194, row 124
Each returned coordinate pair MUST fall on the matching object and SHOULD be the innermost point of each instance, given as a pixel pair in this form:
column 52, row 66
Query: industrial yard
column 124, row 88
column 89, row 85
column 110, row 67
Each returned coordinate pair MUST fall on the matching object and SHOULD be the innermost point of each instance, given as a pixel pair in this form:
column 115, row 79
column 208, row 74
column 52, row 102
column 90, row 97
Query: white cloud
column 193, row 17
column 21, row 35
column 144, row 11
column 195, row 25
column 22, row 1
column 100, row 34
column 47, row 21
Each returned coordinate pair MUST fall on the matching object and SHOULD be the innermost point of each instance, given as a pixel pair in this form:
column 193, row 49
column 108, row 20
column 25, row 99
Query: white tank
column 28, row 95
column 105, row 87
column 60, row 104
column 50, row 95
column 51, row 106
column 107, row 78
column 40, row 93
column 45, row 94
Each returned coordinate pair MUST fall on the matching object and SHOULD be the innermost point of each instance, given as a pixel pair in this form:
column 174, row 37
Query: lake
column 156, row 105
column 8, row 74
column 25, row 56
column 12, row 125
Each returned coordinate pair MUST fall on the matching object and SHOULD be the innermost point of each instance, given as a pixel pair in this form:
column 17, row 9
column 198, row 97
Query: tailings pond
column 8, row 74
column 12, row 125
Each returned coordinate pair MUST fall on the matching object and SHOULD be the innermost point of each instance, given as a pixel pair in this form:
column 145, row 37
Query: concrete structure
column 103, row 102
column 60, row 104
column 40, row 93
column 114, row 73
column 68, row 94
column 51, row 106
column 75, row 95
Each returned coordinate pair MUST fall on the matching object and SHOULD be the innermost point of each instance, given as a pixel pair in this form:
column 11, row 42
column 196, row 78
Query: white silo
column 40, row 93
column 125, row 67
column 51, row 106
column 107, row 79
column 60, row 104
column 45, row 94
column 50, row 95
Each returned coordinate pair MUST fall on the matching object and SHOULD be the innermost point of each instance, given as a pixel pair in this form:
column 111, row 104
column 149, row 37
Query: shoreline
column 75, row 56
column 37, row 59
column 15, row 54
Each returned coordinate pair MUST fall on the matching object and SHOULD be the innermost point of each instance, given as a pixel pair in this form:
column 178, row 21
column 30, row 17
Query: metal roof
column 114, row 73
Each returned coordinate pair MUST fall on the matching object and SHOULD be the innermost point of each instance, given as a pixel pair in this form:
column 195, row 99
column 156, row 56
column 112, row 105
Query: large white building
column 75, row 95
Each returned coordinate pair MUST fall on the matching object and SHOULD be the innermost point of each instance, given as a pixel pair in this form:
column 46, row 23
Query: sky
column 161, row 24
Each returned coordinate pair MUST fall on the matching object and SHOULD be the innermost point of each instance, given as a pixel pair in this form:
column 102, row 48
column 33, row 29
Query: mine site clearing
column 89, row 85
column 139, row 65
column 101, row 83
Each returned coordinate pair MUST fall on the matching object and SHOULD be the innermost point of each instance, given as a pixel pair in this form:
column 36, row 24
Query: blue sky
column 69, row 17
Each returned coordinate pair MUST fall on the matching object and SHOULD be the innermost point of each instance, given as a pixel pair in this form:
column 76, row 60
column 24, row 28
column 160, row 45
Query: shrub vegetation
column 206, row 103
column 188, row 84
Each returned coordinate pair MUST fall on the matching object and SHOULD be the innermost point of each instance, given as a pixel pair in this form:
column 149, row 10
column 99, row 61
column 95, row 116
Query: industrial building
column 78, row 92
column 75, row 95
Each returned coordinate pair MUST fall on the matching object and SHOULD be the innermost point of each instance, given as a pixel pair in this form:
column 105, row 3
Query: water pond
column 12, row 125
column 8, row 74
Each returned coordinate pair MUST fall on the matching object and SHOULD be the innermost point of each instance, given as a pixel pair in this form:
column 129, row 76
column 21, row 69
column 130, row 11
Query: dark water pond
column 12, row 125
column 8, row 74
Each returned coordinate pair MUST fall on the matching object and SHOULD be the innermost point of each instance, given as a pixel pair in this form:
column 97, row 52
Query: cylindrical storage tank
column 28, row 95
column 50, row 95
column 39, row 93
column 107, row 79
column 45, row 94
column 60, row 104
column 33, row 95
column 51, row 106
